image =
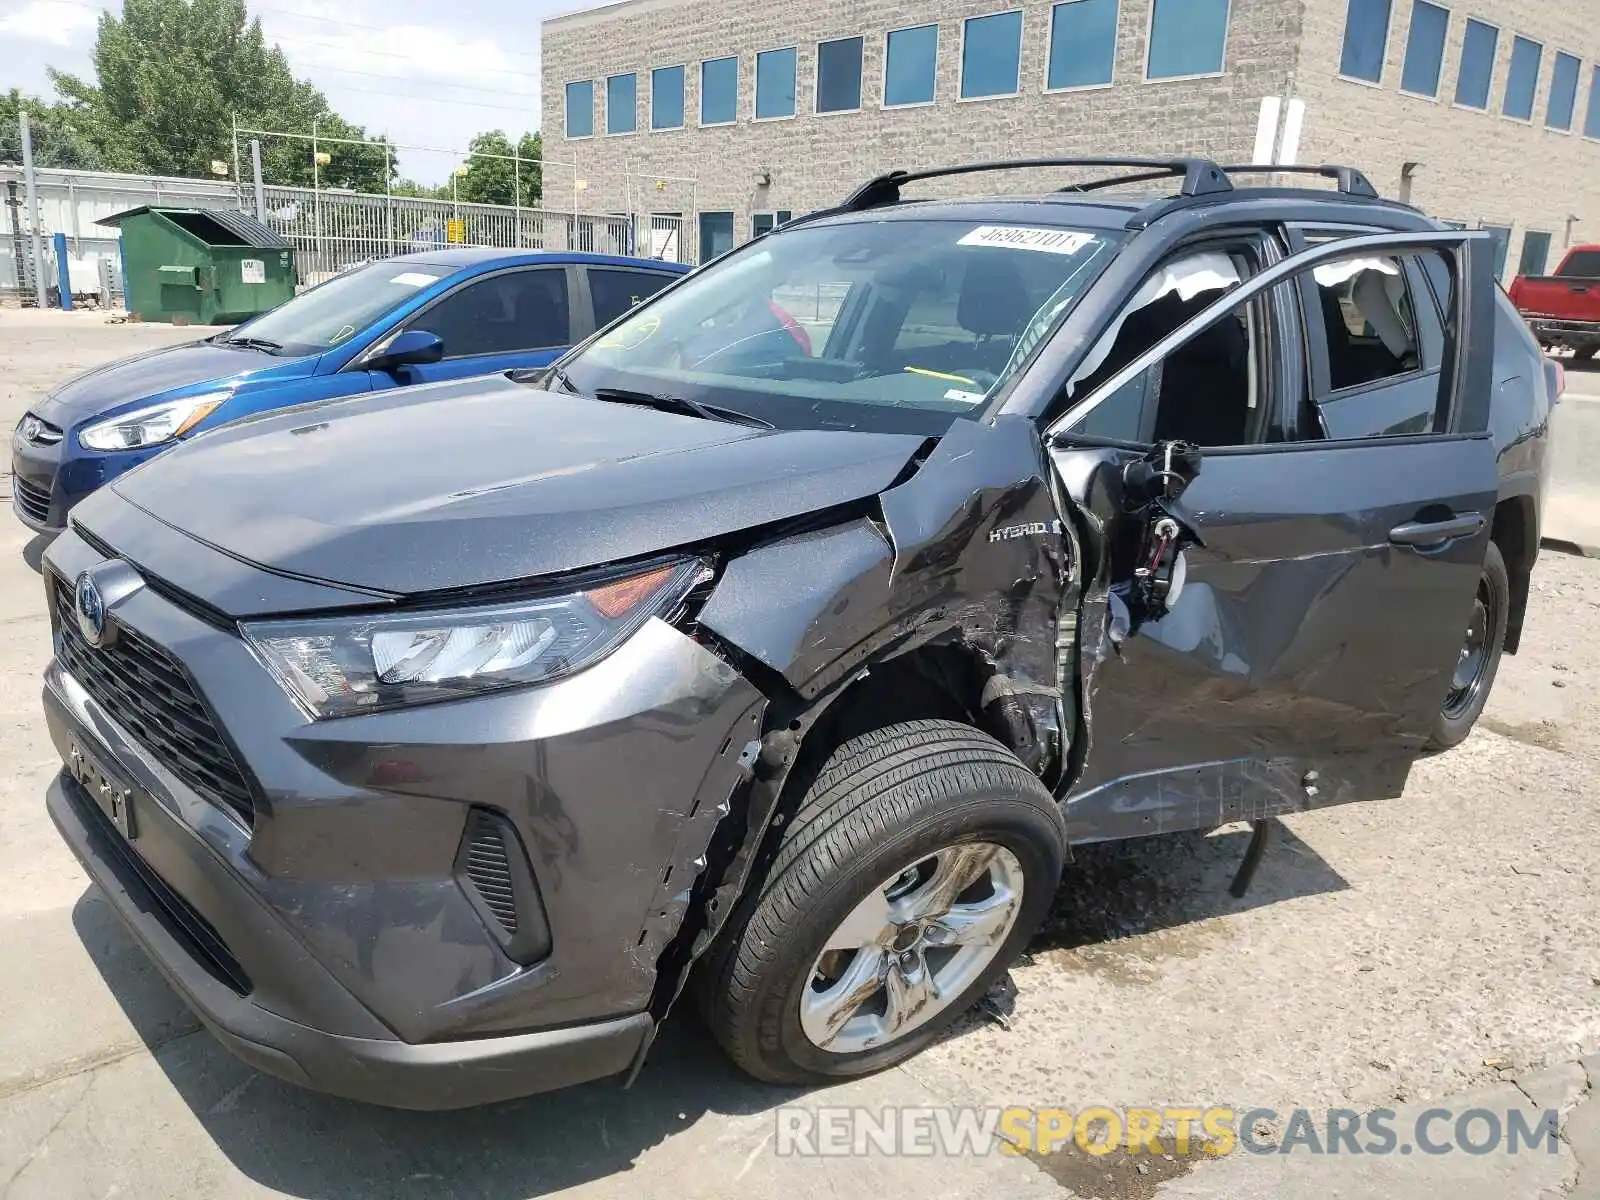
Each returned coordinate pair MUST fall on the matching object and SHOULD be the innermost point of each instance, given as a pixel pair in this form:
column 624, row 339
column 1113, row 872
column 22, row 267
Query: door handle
column 1433, row 533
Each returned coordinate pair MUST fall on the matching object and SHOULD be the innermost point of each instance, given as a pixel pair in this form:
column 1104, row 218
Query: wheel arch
column 1515, row 532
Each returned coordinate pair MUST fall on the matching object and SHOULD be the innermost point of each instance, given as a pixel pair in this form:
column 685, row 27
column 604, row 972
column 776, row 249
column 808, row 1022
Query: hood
column 131, row 381
column 487, row 481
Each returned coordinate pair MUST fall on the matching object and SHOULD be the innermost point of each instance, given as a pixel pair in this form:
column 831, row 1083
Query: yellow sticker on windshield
column 631, row 335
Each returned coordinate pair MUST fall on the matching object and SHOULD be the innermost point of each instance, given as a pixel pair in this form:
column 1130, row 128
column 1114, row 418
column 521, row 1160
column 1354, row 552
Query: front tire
column 1480, row 655
column 920, row 861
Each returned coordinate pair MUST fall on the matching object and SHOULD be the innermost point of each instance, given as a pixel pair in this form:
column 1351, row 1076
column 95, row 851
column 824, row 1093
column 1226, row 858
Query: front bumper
column 326, row 936
column 49, row 478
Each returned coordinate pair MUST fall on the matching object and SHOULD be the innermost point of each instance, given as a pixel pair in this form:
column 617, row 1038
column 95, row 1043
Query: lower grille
column 493, row 871
column 33, row 501
column 181, row 918
column 149, row 694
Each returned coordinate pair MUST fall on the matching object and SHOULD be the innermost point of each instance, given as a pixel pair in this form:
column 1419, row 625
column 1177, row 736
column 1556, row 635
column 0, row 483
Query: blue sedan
column 435, row 315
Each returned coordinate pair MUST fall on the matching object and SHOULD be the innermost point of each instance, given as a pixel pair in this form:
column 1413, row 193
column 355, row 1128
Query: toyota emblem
column 91, row 610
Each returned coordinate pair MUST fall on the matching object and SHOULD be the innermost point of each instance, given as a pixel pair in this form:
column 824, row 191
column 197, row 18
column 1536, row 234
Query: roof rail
column 1201, row 176
column 1351, row 181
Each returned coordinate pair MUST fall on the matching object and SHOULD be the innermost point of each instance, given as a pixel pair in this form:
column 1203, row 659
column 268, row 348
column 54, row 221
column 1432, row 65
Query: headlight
column 339, row 666
column 151, row 426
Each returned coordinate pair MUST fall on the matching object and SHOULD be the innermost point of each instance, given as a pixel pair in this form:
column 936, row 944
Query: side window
column 503, row 314
column 615, row 292
column 1207, row 390
column 1377, row 371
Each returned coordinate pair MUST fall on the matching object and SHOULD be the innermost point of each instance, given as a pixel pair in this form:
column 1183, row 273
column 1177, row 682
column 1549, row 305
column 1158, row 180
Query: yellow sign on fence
column 455, row 231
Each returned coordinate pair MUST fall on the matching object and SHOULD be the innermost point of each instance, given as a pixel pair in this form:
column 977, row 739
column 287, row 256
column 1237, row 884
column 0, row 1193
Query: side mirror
column 413, row 347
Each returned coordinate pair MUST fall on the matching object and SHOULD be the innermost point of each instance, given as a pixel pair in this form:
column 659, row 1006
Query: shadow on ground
column 310, row 1145
column 33, row 552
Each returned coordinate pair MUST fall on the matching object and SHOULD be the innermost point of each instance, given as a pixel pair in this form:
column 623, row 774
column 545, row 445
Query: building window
column 839, row 75
column 1187, row 37
column 1523, row 80
column 1083, row 43
column 991, row 56
column 580, row 109
column 1563, row 92
column 1366, row 40
column 1535, row 253
column 775, row 84
column 910, row 66
column 1425, row 49
column 719, row 91
column 666, row 98
column 716, row 234
column 1477, row 65
column 622, row 103
column 1591, row 122
column 1500, row 235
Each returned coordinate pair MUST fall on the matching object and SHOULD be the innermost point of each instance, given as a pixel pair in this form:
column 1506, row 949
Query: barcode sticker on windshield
column 1017, row 237
column 413, row 279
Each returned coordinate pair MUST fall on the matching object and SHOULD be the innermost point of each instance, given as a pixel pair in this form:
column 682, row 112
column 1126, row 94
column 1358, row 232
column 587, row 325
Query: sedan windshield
column 333, row 312
column 893, row 325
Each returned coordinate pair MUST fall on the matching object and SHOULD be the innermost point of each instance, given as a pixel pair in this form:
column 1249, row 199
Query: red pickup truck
column 1564, row 309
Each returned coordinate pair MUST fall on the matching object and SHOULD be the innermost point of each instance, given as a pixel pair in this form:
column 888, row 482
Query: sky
column 427, row 74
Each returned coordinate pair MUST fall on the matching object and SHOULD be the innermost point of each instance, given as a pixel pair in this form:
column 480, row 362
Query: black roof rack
column 1351, row 181
column 1201, row 176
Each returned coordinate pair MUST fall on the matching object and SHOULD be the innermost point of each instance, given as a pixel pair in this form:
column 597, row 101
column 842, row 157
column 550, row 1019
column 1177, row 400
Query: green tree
column 57, row 140
column 493, row 173
column 171, row 74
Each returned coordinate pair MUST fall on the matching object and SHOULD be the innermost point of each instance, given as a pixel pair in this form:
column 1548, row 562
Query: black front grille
column 181, row 918
column 33, row 501
column 148, row 694
column 488, row 865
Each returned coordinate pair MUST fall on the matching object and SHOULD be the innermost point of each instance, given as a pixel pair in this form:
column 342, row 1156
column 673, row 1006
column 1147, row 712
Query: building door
column 716, row 234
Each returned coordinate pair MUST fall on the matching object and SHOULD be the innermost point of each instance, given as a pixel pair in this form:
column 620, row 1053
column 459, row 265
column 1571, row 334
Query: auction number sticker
column 1020, row 237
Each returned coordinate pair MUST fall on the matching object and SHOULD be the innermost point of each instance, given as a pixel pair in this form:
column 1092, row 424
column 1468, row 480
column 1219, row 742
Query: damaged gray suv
column 778, row 643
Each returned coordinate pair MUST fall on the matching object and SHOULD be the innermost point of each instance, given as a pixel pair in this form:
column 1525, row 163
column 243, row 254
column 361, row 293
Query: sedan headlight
column 151, row 426
column 339, row 666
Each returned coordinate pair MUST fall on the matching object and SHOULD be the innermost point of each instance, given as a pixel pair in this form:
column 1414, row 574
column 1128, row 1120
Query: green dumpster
column 196, row 266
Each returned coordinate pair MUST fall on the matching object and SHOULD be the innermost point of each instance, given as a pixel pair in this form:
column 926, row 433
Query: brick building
column 1485, row 112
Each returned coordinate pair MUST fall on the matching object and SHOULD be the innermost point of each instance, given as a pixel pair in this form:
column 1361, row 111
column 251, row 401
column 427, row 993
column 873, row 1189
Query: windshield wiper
column 674, row 404
column 252, row 343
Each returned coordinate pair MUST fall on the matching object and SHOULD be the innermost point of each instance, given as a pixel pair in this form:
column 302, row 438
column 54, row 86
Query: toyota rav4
column 780, row 640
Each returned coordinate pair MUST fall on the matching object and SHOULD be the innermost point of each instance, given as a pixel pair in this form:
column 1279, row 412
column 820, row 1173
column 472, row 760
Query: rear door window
column 616, row 290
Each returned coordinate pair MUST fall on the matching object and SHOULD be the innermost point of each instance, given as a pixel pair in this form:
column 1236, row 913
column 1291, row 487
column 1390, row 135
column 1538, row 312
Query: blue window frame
column 775, row 83
column 1430, row 24
column 991, row 55
column 1591, row 121
column 1523, row 80
column 1563, row 92
column 1083, row 43
column 1366, row 40
column 622, row 103
column 1477, row 64
column 910, row 65
column 719, row 91
column 1187, row 37
column 666, row 98
column 839, row 75
column 580, row 109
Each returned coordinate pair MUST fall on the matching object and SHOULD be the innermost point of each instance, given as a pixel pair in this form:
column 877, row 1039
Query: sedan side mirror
column 412, row 347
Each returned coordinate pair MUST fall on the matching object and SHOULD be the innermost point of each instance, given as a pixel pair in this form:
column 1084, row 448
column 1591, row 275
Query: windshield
column 1584, row 264
column 333, row 312
column 892, row 325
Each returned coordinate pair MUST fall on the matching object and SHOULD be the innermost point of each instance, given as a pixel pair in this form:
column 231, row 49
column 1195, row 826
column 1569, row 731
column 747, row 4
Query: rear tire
column 1586, row 354
column 1469, row 689
column 916, row 806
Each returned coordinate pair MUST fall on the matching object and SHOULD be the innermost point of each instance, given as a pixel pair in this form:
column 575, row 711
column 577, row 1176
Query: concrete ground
column 1439, row 949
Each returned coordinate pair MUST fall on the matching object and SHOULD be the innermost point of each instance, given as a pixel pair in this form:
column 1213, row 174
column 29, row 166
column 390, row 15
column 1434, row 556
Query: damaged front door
column 1273, row 625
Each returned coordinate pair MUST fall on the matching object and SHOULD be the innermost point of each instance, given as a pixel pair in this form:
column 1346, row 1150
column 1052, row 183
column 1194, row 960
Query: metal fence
column 329, row 230
column 332, row 230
